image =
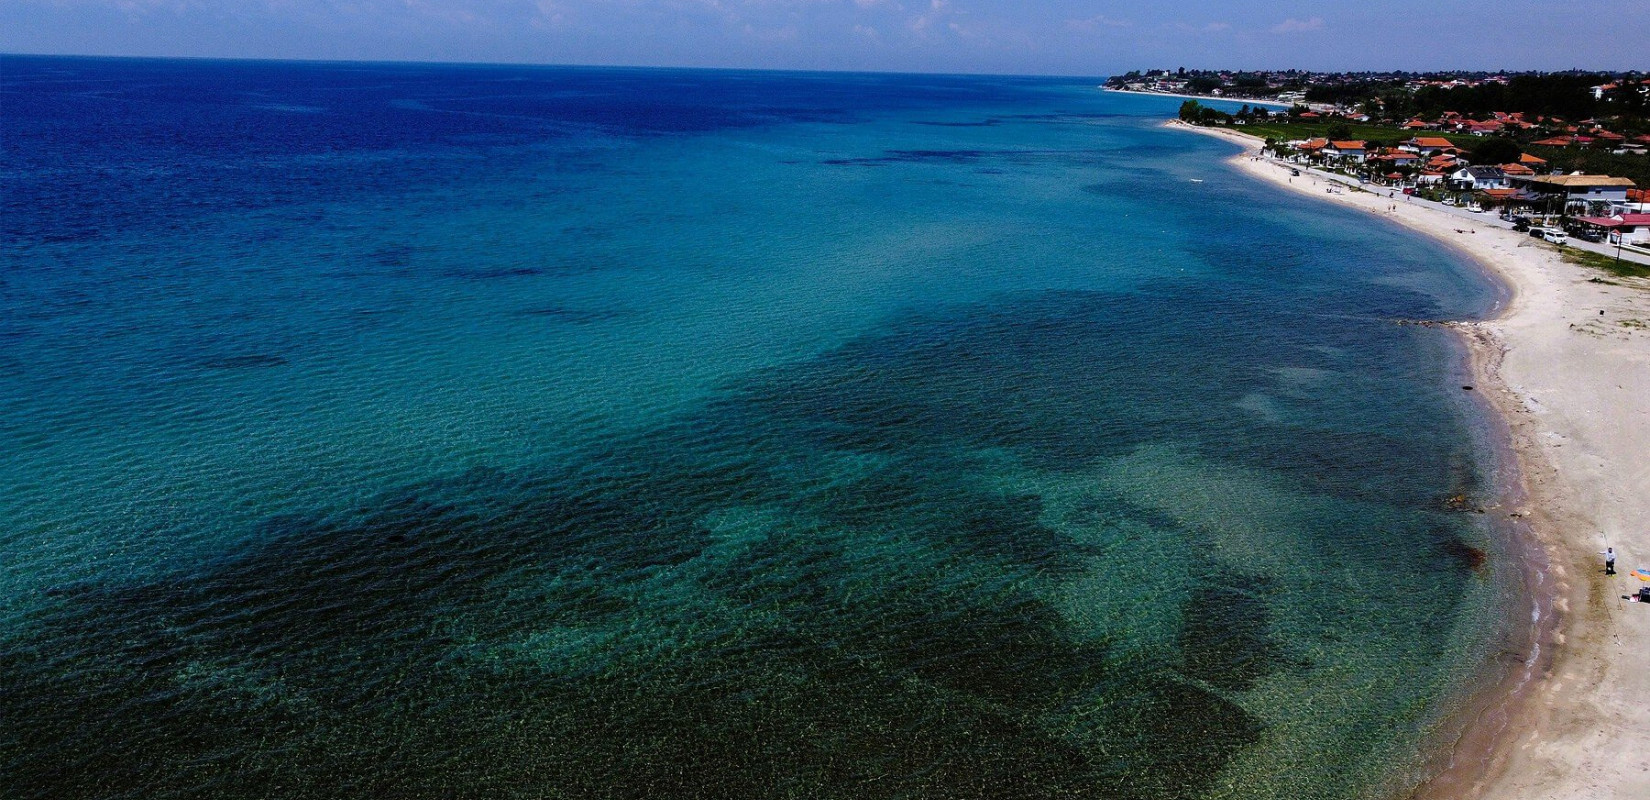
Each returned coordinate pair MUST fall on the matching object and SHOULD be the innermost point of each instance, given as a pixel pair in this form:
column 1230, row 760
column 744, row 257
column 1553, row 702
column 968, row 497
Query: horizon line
column 810, row 70
column 547, row 64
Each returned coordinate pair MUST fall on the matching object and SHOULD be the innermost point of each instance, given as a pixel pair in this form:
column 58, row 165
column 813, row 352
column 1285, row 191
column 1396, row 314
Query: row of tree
column 1199, row 114
column 1566, row 95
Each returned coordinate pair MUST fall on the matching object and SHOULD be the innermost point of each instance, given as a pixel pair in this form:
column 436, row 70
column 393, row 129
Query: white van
column 1555, row 236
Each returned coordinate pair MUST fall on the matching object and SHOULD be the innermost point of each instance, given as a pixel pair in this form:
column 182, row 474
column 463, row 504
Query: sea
column 459, row 431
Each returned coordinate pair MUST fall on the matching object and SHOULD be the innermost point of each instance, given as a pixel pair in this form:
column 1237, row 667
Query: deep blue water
column 393, row 430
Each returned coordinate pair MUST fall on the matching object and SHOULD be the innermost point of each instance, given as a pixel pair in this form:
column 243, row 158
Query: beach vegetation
column 1606, row 263
column 1198, row 114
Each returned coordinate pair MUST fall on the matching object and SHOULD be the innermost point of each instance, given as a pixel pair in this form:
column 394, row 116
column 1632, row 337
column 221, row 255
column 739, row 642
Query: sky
column 1055, row 37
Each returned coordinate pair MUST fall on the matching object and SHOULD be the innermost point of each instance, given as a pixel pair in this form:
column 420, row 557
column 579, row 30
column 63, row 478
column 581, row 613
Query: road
column 1483, row 218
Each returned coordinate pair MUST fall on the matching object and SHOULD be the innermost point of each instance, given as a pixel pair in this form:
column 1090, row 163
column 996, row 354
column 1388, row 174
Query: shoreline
column 1250, row 101
column 1565, row 366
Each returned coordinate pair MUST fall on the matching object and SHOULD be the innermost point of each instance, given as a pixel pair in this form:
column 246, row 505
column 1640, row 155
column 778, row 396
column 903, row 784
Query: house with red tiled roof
column 1398, row 158
column 1353, row 150
column 1515, row 170
column 1417, row 125
column 1556, row 141
column 1423, row 144
column 1529, row 160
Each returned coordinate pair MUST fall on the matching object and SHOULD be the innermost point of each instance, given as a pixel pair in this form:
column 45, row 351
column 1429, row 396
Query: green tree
column 1191, row 111
column 1495, row 150
column 1339, row 131
column 1202, row 84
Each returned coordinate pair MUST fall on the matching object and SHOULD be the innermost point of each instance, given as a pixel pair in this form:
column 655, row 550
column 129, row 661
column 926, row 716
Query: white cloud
column 1293, row 25
column 550, row 14
column 782, row 34
column 1096, row 23
column 937, row 11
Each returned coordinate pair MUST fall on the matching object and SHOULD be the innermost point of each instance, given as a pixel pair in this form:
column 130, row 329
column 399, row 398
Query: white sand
column 1574, row 388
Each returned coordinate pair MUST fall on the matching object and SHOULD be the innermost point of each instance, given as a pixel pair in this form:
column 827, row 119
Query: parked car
column 1556, row 237
column 1521, row 226
column 1538, row 232
column 1589, row 236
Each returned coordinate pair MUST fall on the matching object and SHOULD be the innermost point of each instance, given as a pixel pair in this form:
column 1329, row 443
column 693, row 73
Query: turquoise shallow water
column 462, row 431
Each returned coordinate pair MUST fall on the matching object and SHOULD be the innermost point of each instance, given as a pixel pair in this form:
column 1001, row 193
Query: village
column 1394, row 95
column 1521, row 189
column 1564, row 156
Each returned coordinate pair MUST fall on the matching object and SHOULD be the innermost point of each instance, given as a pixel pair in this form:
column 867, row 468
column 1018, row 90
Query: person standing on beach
column 1609, row 560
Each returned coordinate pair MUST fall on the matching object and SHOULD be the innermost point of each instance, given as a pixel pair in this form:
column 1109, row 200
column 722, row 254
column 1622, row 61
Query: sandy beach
column 1567, row 366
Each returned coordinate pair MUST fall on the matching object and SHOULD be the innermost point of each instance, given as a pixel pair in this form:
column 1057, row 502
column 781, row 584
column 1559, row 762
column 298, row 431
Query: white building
column 1478, row 178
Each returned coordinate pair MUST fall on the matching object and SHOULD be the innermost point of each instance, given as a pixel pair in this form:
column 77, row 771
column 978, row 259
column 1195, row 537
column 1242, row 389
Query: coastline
column 1250, row 101
column 1565, row 367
